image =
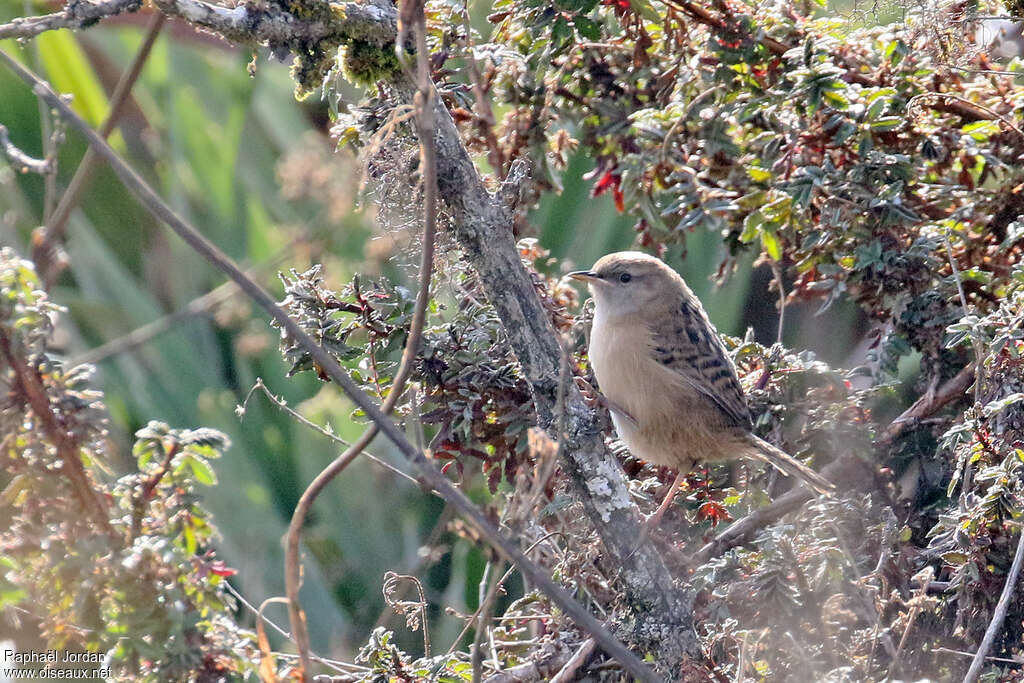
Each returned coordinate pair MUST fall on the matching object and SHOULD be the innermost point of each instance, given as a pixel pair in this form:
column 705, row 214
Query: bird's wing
column 688, row 344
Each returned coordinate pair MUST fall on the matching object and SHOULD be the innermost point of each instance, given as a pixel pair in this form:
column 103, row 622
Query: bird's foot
column 655, row 520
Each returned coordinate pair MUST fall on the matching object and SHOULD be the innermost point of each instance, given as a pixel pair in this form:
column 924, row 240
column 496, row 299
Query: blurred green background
column 255, row 171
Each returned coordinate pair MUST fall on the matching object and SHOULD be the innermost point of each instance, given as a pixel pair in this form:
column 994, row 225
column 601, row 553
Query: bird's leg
column 654, row 520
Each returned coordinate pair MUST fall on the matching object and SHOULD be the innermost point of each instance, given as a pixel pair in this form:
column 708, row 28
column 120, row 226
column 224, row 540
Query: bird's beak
column 584, row 275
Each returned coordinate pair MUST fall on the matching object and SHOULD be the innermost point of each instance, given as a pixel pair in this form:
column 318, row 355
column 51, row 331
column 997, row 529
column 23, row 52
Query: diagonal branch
column 431, row 475
column 998, row 616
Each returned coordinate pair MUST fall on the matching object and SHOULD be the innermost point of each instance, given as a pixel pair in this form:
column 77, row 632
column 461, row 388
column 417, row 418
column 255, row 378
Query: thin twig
column 152, row 201
column 74, row 15
column 302, row 419
column 567, row 673
column 145, row 333
column 392, row 583
column 487, row 591
column 22, row 162
column 336, row 664
column 424, row 559
column 1005, row 660
column 998, row 615
column 927, row 405
column 473, row 617
column 200, row 305
column 777, row 273
column 538, row 670
column 945, row 98
column 48, row 133
column 424, row 119
column 979, row 352
column 917, row 604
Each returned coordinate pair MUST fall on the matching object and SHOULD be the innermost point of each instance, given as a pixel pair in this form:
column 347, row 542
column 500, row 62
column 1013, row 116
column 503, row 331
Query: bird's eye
column 625, row 277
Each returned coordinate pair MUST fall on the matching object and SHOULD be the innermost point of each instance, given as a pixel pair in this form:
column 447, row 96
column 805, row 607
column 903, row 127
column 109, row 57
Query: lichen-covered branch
column 483, row 226
column 271, row 25
column 74, row 15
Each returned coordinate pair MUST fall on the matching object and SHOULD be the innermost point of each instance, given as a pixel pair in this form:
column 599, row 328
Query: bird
column 672, row 390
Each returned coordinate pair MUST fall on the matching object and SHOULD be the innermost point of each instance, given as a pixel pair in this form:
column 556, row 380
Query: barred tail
column 787, row 464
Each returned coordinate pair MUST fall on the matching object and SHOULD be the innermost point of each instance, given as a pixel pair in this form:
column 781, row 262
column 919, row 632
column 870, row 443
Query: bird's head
column 629, row 282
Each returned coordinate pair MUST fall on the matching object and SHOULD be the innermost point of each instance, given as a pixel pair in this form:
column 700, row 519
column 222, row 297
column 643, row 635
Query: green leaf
column 69, row 71
column 771, row 245
column 201, row 470
column 837, row 100
column 587, row 28
column 954, row 559
column 759, row 175
column 981, row 130
column 886, row 123
column 997, row 406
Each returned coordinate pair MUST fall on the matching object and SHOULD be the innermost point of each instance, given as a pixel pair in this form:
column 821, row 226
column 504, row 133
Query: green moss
column 314, row 59
column 365, row 63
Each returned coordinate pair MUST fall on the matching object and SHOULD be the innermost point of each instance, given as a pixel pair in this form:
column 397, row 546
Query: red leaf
column 220, row 569
column 713, row 511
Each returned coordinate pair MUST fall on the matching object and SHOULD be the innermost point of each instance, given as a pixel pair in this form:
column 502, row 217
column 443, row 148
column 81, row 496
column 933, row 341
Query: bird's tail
column 787, row 464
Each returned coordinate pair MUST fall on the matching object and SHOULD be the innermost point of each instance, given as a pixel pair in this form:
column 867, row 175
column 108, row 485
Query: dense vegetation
column 872, row 169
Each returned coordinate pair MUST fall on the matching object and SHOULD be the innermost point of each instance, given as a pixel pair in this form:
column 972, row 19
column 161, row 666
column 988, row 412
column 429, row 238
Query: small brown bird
column 673, row 391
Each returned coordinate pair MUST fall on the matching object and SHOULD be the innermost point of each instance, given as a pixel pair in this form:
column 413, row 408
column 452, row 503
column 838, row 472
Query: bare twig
column 424, row 559
column 664, row 599
column 917, row 604
column 979, row 351
column 947, row 99
column 493, row 590
column 153, row 329
column 927, row 405
column 777, row 273
column 845, row 468
column 200, row 305
column 415, row 612
column 487, row 592
column 1005, row 660
column 998, row 615
column 74, row 15
column 540, row 669
column 567, row 673
column 22, row 162
column 283, row 406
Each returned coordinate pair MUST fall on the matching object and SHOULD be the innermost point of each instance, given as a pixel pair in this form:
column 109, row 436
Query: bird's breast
column 668, row 422
column 620, row 355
